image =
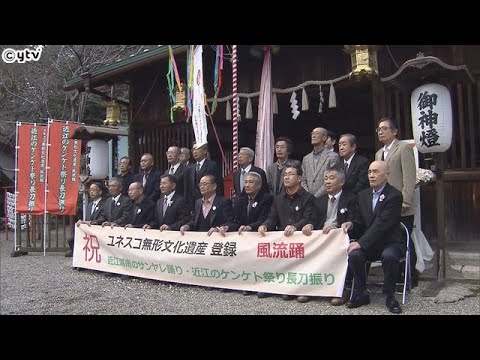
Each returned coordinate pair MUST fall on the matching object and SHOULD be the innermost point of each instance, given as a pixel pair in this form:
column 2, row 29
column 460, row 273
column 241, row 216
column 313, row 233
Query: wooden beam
column 108, row 98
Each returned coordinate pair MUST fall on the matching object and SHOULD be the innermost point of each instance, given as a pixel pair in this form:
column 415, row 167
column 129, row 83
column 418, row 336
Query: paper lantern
column 97, row 159
column 432, row 118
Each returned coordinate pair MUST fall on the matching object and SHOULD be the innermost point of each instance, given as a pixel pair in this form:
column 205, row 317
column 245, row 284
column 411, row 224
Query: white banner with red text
column 313, row 265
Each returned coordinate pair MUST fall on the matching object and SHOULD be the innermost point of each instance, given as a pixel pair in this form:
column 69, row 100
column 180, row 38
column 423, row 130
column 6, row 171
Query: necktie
column 374, row 200
column 346, row 167
column 145, row 177
column 94, row 205
column 171, row 170
column 242, row 179
column 384, row 155
column 198, row 166
column 112, row 206
column 332, row 200
column 165, row 205
column 205, row 208
column 249, row 207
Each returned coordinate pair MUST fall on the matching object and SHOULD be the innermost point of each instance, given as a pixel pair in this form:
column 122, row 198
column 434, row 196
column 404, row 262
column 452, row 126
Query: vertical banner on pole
column 30, row 177
column 199, row 119
column 63, row 170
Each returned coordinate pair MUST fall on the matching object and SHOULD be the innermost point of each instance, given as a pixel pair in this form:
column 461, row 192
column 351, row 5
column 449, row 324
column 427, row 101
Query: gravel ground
column 47, row 285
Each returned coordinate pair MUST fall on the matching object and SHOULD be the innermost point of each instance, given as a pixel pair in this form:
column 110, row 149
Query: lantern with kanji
column 431, row 107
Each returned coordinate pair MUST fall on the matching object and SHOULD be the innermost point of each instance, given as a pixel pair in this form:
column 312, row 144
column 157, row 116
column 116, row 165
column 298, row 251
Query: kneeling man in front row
column 378, row 221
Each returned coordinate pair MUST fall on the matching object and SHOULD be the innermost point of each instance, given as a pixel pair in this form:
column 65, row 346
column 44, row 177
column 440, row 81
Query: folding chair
column 405, row 284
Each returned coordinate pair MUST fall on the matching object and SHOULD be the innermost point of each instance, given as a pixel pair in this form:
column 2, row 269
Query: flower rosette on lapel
column 343, row 210
column 382, row 197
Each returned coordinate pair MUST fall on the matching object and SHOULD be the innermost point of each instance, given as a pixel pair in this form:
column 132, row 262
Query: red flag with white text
column 31, row 163
column 64, row 167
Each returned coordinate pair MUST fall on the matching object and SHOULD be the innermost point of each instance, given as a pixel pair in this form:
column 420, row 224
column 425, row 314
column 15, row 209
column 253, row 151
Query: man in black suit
column 171, row 210
column 95, row 211
column 331, row 210
column 252, row 207
column 291, row 210
column 149, row 178
column 175, row 168
column 245, row 163
column 196, row 171
column 142, row 211
column 381, row 237
column 126, row 174
column 213, row 213
column 118, row 206
column 355, row 166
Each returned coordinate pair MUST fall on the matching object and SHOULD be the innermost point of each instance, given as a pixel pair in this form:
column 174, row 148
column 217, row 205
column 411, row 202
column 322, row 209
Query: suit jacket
column 176, row 215
column 98, row 216
column 141, row 213
column 356, row 178
column 403, row 172
column 126, row 181
column 296, row 211
column 312, row 178
column 272, row 175
column 152, row 186
column 179, row 176
column 346, row 209
column 221, row 214
column 191, row 191
column 121, row 210
column 376, row 228
column 236, row 179
column 258, row 213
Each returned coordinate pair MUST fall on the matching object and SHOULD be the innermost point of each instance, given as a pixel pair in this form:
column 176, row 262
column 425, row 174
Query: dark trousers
column 390, row 256
column 408, row 222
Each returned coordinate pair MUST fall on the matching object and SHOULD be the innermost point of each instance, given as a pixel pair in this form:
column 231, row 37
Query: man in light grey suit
column 276, row 171
column 315, row 163
column 401, row 163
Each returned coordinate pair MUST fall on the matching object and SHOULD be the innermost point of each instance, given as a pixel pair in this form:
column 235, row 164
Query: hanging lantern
column 97, row 159
column 113, row 114
column 179, row 98
column 431, row 107
column 364, row 59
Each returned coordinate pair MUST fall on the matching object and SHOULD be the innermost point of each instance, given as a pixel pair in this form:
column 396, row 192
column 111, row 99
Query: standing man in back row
column 276, row 171
column 315, row 163
column 401, row 163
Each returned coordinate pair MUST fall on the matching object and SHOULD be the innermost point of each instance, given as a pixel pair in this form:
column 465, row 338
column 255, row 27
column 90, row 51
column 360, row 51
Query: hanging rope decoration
column 294, row 106
column 275, row 104
column 248, row 111
column 304, row 100
column 332, row 101
column 228, row 111
column 321, row 99
column 172, row 65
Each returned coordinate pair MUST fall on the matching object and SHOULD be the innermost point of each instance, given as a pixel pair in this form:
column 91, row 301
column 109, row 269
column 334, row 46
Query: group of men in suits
column 331, row 189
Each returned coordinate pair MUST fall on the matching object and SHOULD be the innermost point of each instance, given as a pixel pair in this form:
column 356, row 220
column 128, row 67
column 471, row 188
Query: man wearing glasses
column 401, row 163
column 213, row 212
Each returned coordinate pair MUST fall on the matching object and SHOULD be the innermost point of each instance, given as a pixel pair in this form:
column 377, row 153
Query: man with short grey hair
column 245, row 165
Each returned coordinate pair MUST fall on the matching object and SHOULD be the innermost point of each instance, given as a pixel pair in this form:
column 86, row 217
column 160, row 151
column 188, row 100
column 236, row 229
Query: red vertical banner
column 30, row 177
column 63, row 169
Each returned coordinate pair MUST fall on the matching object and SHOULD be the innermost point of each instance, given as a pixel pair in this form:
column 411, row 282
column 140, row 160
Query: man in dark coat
column 380, row 237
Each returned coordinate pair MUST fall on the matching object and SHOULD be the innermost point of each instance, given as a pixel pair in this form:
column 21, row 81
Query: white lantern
column 432, row 118
column 97, row 159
